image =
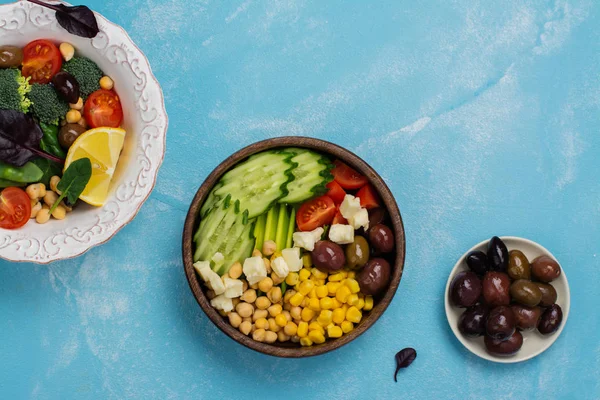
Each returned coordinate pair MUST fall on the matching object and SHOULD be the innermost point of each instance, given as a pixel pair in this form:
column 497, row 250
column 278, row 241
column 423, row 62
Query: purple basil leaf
column 404, row 358
column 18, row 134
column 77, row 20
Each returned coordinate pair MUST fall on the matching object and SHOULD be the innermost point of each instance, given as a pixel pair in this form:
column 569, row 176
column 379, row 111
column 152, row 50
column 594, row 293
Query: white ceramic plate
column 534, row 343
column 145, row 121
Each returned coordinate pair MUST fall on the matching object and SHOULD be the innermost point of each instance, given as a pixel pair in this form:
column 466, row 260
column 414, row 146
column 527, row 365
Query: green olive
column 10, row 57
column 518, row 265
column 357, row 253
column 525, row 292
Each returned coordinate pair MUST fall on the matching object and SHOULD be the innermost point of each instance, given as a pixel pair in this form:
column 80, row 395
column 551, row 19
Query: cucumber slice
column 311, row 175
column 282, row 226
column 207, row 228
column 210, row 201
column 242, row 250
column 291, row 229
column 211, row 238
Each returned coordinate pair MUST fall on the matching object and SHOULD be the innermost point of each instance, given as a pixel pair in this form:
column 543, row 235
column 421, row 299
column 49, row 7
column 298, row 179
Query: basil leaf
column 78, row 20
column 49, row 169
column 73, row 181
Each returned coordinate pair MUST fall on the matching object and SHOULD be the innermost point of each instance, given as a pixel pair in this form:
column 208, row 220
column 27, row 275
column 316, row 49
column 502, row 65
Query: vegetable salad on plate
column 293, row 246
column 60, row 132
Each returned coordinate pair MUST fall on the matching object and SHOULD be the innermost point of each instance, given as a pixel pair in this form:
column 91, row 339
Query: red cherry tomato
column 336, row 192
column 347, row 177
column 15, row 208
column 41, row 61
column 339, row 219
column 103, row 108
column 315, row 213
column 368, row 197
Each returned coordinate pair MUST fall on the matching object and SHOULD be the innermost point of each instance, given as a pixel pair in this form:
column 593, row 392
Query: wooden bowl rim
column 327, row 148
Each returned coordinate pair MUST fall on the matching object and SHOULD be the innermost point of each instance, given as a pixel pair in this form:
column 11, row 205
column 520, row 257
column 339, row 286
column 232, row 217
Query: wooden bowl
column 289, row 349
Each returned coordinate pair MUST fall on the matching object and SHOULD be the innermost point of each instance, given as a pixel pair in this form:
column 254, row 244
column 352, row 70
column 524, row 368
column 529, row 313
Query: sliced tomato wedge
column 336, row 192
column 15, row 208
column 339, row 219
column 103, row 108
column 315, row 213
column 347, row 177
column 41, row 61
column 368, row 197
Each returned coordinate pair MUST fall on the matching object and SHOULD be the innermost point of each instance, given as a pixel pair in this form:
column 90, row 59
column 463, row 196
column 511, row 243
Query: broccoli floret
column 13, row 90
column 46, row 105
column 86, row 72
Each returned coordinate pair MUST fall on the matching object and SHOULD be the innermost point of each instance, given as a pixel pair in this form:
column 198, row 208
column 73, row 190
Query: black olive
column 66, row 86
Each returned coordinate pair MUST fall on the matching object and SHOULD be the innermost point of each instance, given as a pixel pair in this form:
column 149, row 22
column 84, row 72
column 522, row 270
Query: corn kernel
column 306, row 260
column 305, row 287
column 334, row 332
column 303, row 275
column 290, row 328
column 351, row 275
column 347, row 326
column 353, row 314
column 313, row 293
column 361, row 304
column 291, row 279
column 305, row 302
column 332, row 287
column 336, row 303
column 338, row 316
column 321, row 291
column 288, row 294
column 342, row 294
column 316, row 337
column 368, row 303
column 305, row 342
column 318, row 274
column 296, row 299
column 353, row 285
column 307, row 314
column 281, row 320
column 337, row 277
column 352, row 299
column 319, row 282
column 302, row 330
column 325, row 317
column 314, row 305
column 326, row 303
column 314, row 326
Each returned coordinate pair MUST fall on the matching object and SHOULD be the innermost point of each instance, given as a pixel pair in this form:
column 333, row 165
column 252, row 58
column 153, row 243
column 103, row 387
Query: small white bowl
column 534, row 343
column 145, row 121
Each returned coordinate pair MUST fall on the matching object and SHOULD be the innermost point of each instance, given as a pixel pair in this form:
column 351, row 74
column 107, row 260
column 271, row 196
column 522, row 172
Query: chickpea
column 270, row 337
column 262, row 302
column 43, row 216
column 287, row 306
column 274, row 294
column 235, row 271
column 106, row 83
column 287, row 315
column 273, row 325
column 295, row 339
column 36, row 191
column 276, row 279
column 296, row 312
column 50, row 198
column 249, row 296
column 269, row 247
column 259, row 314
column 66, row 207
column 274, row 310
column 267, row 265
column 247, row 319
column 256, row 253
column 67, row 51
column 244, row 309
column 59, row 212
column 73, row 116
column 259, row 335
column 265, row 285
column 235, row 301
column 35, row 209
column 254, row 286
column 54, row 183
column 77, row 106
column 288, row 293
column 234, row 319
column 282, row 336
column 290, row 328
column 245, row 327
column 262, row 323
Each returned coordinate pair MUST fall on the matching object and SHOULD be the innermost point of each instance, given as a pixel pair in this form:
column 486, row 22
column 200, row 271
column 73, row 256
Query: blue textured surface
column 483, row 117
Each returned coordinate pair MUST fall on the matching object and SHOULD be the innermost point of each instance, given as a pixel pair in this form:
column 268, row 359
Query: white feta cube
column 341, row 234
column 280, row 267
column 222, row 303
column 292, row 259
column 254, row 269
column 216, row 283
column 317, row 233
column 210, row 277
column 350, row 206
column 359, row 219
column 233, row 288
column 203, row 269
column 306, row 240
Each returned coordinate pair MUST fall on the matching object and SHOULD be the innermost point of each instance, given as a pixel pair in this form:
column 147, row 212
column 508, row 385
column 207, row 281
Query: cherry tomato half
column 339, row 219
column 347, row 177
column 15, row 208
column 368, row 197
column 315, row 213
column 103, row 108
column 41, row 61
column 336, row 192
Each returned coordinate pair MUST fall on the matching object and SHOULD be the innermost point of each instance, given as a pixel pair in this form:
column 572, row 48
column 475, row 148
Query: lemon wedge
column 103, row 147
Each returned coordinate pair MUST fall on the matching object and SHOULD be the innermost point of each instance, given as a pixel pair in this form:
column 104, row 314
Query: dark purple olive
column 374, row 277
column 497, row 254
column 525, row 292
column 496, row 288
column 527, row 317
column 506, row 347
column 549, row 294
column 66, row 86
column 472, row 322
column 381, row 238
column 550, row 320
column 545, row 269
column 328, row 256
column 501, row 323
column 477, row 262
column 376, row 216
column 465, row 289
